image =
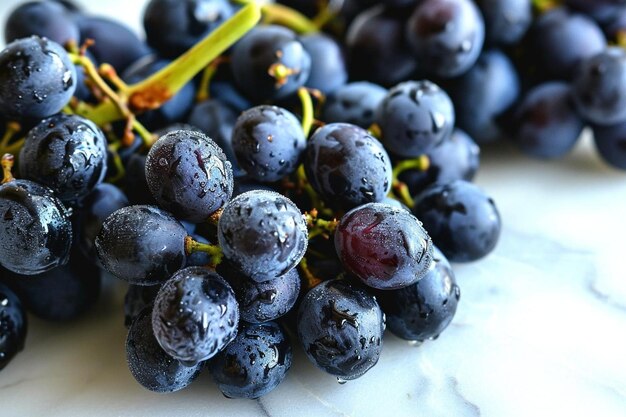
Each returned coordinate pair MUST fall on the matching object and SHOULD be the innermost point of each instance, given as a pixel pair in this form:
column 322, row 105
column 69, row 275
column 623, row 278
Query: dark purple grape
column 506, row 21
column 414, row 117
column 216, row 120
column 611, row 144
column 268, row 142
column 460, row 218
column 328, row 66
column 195, row 315
column 600, row 10
column 115, row 43
column 149, row 364
column 446, row 36
column 260, row 302
column 483, row 94
column 354, row 103
column 254, row 363
column 347, row 166
column 175, row 109
column 384, row 246
column 143, row 245
column 599, row 87
column 42, row 18
column 13, row 325
column 546, row 124
column 560, row 40
column 173, row 26
column 615, row 26
column 228, row 94
column 423, row 310
column 37, row 78
column 96, row 207
column 137, row 298
column 456, row 158
column 263, row 234
column 66, row 153
column 35, row 228
column 135, row 180
column 376, row 47
column 189, row 175
column 61, row 294
column 341, row 329
column 259, row 53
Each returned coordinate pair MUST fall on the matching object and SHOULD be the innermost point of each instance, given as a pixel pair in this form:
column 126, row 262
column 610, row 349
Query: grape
column 173, row 26
column 611, row 144
column 96, row 207
column 149, row 364
column 446, row 36
column 423, row 310
column 347, row 166
column 599, row 87
column 341, row 329
column 268, row 142
column 61, row 294
column 42, row 18
column 228, row 93
column 37, row 78
column 384, row 246
column 263, row 234
column 414, row 117
column 328, row 67
column 460, row 218
column 13, row 325
column 216, row 119
column 137, row 298
column 376, row 48
column 254, row 363
column 261, row 302
column 354, row 103
column 546, row 123
column 506, row 21
column 615, row 25
column 560, row 40
column 260, row 51
column 173, row 110
column 195, row 315
column 599, row 10
column 483, row 94
column 109, row 35
column 135, row 180
column 189, row 175
column 66, row 153
column 35, row 228
column 456, row 158
column 143, row 245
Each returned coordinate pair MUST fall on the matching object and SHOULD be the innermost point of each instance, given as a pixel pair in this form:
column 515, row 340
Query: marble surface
column 540, row 328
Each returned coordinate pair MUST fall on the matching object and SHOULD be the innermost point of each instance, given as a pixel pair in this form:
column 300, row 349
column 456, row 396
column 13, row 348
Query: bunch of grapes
column 277, row 174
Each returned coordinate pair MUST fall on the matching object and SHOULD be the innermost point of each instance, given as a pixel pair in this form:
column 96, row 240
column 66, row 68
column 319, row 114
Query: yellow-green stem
column 310, row 279
column 214, row 251
column 307, row 110
column 10, row 130
column 400, row 191
column 7, row 165
column 286, row 16
column 421, row 163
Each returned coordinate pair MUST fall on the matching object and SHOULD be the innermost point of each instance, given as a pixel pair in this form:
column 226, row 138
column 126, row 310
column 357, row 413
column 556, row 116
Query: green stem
column 161, row 86
column 11, row 129
column 7, row 165
column 286, row 16
column 214, row 251
column 307, row 110
column 421, row 163
column 400, row 191
column 310, row 279
column 15, row 147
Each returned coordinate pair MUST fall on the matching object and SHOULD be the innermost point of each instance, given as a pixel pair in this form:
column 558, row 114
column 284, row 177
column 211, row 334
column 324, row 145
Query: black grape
column 37, row 78
column 354, row 103
column 137, row 298
column 328, row 67
column 195, row 315
column 268, row 142
column 506, row 21
column 347, row 166
column 611, row 144
column 189, row 175
column 143, row 245
column 254, row 363
column 13, row 325
column 66, row 153
column 263, row 234
column 42, row 18
column 460, row 218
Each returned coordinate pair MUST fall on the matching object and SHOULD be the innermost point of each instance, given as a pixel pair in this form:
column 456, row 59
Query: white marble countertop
column 540, row 329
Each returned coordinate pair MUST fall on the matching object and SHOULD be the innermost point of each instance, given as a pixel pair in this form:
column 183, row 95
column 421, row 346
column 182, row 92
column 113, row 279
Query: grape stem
column 421, row 163
column 274, row 13
column 7, row 165
column 310, row 279
column 214, row 251
column 207, row 75
column 543, row 6
column 11, row 129
column 307, row 110
column 155, row 90
column 319, row 227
